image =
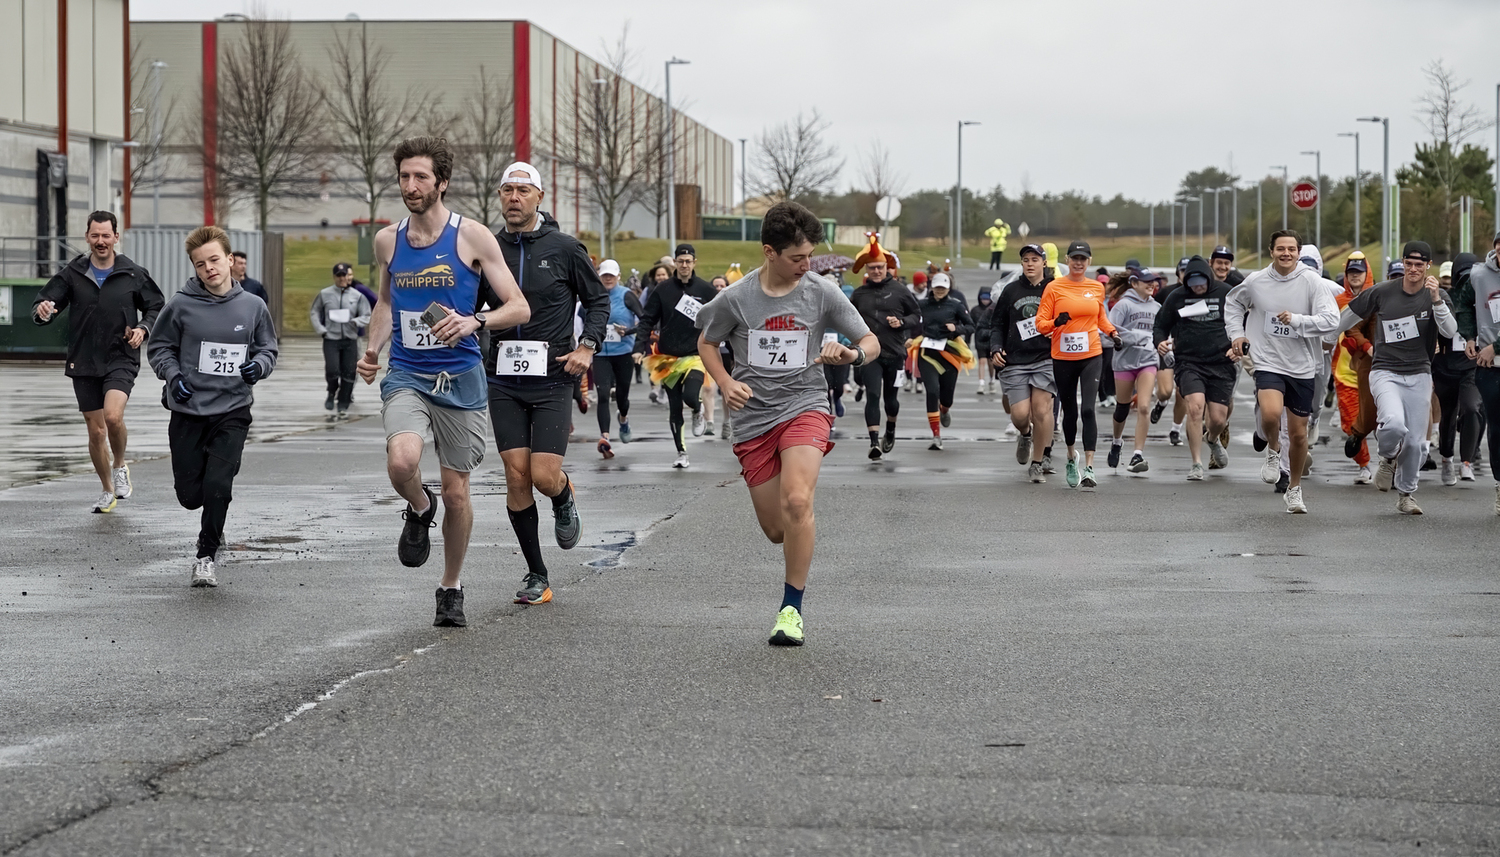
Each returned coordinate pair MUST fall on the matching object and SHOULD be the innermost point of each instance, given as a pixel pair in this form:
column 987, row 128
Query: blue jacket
column 623, row 312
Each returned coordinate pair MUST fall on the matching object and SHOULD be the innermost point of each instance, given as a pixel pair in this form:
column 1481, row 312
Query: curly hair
column 434, row 148
column 788, row 224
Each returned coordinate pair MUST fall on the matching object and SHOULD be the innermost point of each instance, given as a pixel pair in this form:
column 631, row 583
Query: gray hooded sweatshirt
column 205, row 339
column 1485, row 279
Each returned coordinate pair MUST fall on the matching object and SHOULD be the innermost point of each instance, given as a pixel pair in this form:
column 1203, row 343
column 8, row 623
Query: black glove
column 181, row 392
column 252, row 371
column 1062, row 319
column 1115, row 338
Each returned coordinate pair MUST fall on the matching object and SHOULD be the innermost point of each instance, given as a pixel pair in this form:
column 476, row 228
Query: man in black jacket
column 672, row 309
column 1024, row 358
column 114, row 303
column 533, row 367
column 890, row 310
column 1190, row 324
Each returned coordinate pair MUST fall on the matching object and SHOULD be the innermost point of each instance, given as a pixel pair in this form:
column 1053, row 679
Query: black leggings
column 879, row 376
column 1074, row 377
column 613, row 371
column 687, row 389
column 1462, row 413
column 836, row 377
column 206, row 455
column 1488, row 382
column 939, row 386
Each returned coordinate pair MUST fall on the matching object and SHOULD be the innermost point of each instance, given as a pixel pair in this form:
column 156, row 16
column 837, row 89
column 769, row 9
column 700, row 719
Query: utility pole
column 1152, row 263
column 958, row 218
column 671, row 176
column 1284, row 192
column 1201, row 195
column 744, row 193
column 1260, row 207
column 1355, row 135
column 1385, row 186
column 1318, row 206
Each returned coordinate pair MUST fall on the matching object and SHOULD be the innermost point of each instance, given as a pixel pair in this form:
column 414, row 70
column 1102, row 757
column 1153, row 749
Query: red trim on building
column 125, row 152
column 210, row 119
column 521, row 80
column 552, row 182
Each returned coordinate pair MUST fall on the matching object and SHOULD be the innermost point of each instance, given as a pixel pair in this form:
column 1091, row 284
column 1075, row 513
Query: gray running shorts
column 1015, row 381
column 457, row 436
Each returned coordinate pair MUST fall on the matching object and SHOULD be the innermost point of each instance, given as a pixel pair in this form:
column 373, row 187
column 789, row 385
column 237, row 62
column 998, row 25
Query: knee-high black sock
column 524, row 523
column 564, row 495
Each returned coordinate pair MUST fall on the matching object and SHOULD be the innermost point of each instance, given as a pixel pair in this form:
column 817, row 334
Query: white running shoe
column 1407, row 505
column 123, row 488
column 1196, row 473
column 698, row 424
column 1010, row 431
column 203, row 572
column 1294, row 504
column 1466, row 472
column 1270, row 471
column 682, row 461
column 1385, row 474
column 1364, row 476
column 105, row 503
column 1449, row 471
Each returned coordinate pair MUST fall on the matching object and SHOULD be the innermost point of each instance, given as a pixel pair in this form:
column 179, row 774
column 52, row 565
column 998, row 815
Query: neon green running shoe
column 1072, row 473
column 788, row 628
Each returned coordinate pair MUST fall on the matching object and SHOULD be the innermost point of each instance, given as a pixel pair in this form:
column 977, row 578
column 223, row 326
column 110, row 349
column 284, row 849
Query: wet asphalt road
column 1156, row 667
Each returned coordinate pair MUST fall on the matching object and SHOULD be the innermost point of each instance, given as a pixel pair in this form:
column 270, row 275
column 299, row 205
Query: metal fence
column 28, row 256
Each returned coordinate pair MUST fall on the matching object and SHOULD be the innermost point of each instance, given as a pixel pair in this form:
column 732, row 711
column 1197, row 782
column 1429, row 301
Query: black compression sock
column 524, row 523
column 791, row 596
column 875, row 438
column 890, row 428
column 565, row 495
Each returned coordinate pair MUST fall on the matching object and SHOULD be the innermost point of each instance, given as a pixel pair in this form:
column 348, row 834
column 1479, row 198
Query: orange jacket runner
column 1083, row 301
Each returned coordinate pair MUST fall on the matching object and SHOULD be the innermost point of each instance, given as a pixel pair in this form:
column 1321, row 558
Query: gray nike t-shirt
column 775, row 341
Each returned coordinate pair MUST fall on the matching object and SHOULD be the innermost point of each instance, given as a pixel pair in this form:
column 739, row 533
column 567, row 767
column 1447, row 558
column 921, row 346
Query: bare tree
column 150, row 130
column 270, row 121
column 651, row 193
column 792, row 160
column 878, row 174
column 609, row 142
column 366, row 119
column 1450, row 121
column 484, row 142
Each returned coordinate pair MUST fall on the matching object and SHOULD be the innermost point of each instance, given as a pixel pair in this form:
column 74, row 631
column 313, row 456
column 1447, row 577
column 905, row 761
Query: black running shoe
column 1351, row 445
column 1114, row 455
column 859, row 394
column 415, row 543
column 450, row 609
column 1429, row 464
column 888, row 442
column 1260, row 443
column 1283, row 483
column 1174, row 437
column 945, row 420
column 534, row 590
column 568, row 527
column 1156, row 410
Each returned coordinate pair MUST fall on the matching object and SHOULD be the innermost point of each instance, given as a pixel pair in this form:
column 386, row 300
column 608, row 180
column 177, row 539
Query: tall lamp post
column 671, row 159
column 1355, row 135
column 1318, row 206
column 1216, row 191
column 1385, row 187
column 744, row 192
column 958, row 217
column 1201, row 195
column 599, row 83
column 1284, row 191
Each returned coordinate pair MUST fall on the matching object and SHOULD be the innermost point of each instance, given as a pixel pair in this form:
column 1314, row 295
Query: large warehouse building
column 547, row 81
column 36, row 187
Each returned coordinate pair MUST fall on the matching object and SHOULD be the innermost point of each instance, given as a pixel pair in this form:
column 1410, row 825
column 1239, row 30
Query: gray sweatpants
column 1402, row 404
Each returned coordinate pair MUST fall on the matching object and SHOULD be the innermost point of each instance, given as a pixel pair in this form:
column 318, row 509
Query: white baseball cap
column 532, row 177
column 609, row 266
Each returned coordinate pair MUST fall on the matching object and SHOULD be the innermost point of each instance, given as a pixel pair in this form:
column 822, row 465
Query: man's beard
column 420, row 206
column 519, row 218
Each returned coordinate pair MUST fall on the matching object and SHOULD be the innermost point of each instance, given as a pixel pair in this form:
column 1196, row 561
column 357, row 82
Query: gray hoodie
column 200, row 337
column 1295, row 349
column 1485, row 279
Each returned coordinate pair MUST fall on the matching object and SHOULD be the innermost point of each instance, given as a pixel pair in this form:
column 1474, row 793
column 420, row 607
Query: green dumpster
column 19, row 335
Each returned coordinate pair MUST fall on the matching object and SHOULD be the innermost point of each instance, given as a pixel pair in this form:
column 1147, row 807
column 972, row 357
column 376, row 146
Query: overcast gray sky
column 1105, row 97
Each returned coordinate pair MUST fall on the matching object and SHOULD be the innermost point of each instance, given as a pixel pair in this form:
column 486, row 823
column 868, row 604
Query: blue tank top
column 420, row 276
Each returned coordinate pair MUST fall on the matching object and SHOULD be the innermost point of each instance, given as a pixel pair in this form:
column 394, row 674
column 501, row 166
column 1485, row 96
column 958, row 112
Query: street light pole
column 958, row 218
column 604, row 228
column 1260, row 207
column 671, row 176
column 1201, row 195
column 744, row 192
column 1385, row 187
column 1355, row 135
column 1152, row 263
column 1318, row 206
column 1284, row 191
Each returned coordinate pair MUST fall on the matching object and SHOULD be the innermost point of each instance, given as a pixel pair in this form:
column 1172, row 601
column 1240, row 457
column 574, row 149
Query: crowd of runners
column 501, row 335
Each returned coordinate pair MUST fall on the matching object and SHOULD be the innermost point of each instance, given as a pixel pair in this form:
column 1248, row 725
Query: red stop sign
column 1304, row 195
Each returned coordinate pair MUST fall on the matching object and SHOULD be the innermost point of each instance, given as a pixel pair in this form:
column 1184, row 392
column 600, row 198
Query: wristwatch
column 479, row 317
column 588, row 342
column 861, row 359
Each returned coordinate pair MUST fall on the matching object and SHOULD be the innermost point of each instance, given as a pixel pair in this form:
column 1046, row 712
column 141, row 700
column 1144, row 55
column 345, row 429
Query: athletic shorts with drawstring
column 760, row 457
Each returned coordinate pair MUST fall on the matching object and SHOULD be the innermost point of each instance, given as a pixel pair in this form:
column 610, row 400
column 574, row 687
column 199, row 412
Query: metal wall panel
column 161, row 252
column 12, row 61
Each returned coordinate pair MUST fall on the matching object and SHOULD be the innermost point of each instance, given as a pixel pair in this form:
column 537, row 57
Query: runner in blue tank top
column 435, row 384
